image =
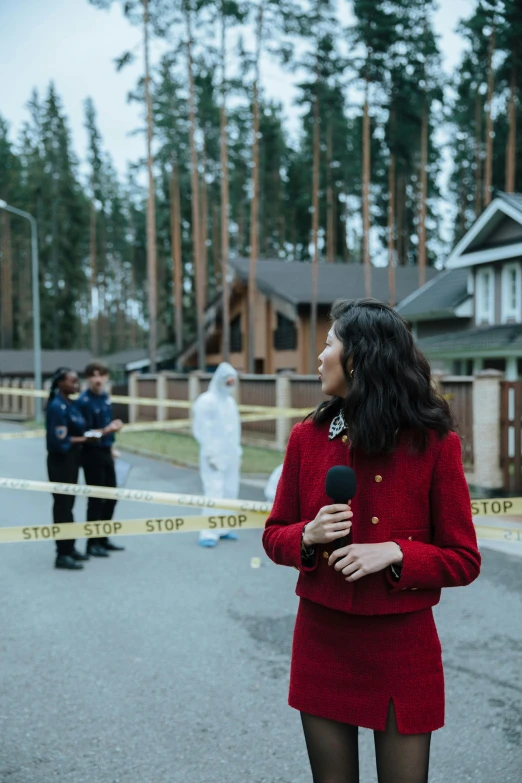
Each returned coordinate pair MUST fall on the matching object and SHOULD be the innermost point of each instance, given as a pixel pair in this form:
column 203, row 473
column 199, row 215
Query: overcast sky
column 74, row 44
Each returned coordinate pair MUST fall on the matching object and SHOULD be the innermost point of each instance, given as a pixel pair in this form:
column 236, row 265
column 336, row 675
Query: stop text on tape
column 496, row 507
column 131, row 527
column 179, row 524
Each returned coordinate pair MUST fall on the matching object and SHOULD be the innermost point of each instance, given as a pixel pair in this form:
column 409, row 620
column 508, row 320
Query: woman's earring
column 351, row 373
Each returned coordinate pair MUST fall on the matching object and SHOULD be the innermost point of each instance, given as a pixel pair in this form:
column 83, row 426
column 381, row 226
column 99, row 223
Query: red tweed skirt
column 348, row 667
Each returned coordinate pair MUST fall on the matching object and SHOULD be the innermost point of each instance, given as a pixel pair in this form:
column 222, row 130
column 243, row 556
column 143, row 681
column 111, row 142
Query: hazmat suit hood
column 218, row 384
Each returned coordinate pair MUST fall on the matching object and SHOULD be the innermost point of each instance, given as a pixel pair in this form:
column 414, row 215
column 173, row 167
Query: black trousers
column 98, row 468
column 64, row 468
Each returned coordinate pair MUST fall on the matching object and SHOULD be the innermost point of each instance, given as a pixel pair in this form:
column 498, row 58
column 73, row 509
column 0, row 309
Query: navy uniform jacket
column 63, row 420
column 96, row 409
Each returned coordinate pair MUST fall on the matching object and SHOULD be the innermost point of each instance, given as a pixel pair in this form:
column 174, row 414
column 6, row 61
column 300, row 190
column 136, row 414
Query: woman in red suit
column 366, row 651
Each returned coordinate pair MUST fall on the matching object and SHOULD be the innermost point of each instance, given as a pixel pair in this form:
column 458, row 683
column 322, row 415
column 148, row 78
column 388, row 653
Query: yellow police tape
column 480, row 507
column 154, row 402
column 146, row 426
column 247, row 520
column 133, row 527
column 138, row 495
column 248, row 513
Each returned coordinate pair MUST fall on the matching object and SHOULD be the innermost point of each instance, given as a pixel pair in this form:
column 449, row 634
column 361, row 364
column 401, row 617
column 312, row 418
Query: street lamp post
column 37, row 342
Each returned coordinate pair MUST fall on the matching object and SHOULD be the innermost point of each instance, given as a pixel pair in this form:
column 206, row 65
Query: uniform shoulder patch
column 60, row 432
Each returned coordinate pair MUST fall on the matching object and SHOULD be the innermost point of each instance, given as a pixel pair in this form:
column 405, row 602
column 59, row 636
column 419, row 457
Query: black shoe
column 79, row 557
column 97, row 551
column 67, row 561
column 110, row 547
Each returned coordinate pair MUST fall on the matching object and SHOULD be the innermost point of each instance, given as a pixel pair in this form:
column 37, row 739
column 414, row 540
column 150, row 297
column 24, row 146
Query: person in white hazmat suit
column 217, row 428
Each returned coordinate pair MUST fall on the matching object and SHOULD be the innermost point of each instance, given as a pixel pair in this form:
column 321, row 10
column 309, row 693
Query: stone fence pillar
column 161, row 395
column 133, row 392
column 486, row 431
column 194, row 389
column 283, row 400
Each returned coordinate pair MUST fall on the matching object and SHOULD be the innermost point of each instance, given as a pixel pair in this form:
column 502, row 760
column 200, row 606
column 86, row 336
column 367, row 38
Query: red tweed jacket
column 421, row 501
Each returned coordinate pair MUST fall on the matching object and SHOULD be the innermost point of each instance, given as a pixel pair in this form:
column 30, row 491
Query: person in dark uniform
column 97, row 457
column 65, row 428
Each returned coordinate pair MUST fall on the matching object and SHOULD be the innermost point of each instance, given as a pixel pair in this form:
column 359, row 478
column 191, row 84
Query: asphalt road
column 169, row 662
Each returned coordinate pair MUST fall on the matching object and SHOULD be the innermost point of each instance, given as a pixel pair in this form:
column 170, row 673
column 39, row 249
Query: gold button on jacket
column 378, row 479
column 375, row 520
column 344, row 438
column 326, row 555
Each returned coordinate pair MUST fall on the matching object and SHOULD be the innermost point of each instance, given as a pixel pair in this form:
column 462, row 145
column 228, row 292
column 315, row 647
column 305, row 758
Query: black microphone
column 341, row 486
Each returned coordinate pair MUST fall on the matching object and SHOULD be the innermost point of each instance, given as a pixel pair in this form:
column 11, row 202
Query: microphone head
column 341, row 484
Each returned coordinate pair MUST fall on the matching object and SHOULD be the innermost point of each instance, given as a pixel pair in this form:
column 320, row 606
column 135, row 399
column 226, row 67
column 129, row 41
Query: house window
column 285, row 336
column 236, row 340
column 485, row 296
column 511, row 293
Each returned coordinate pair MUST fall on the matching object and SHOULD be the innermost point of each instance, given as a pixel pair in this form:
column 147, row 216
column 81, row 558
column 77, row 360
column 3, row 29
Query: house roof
column 494, row 236
column 122, row 358
column 514, row 199
column 22, row 362
column 439, row 298
column 292, row 280
column 505, row 340
column 139, row 358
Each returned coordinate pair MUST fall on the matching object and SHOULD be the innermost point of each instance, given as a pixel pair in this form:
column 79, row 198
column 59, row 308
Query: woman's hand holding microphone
column 331, row 523
column 355, row 560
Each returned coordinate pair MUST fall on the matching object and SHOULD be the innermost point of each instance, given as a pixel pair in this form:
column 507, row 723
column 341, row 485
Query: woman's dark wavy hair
column 390, row 390
column 59, row 375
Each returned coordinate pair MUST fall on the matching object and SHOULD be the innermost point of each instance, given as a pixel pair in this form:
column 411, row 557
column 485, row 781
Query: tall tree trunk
column 293, row 234
column 23, row 288
column 215, row 246
column 133, row 336
column 199, row 272
column 488, row 174
column 478, row 155
column 6, row 282
column 254, row 204
column 56, row 336
column 175, row 242
column 120, row 311
column 225, row 207
column 151, row 205
column 241, row 229
column 94, row 309
column 346, row 247
column 104, row 333
column 315, row 240
column 511, row 149
column 330, row 209
column 225, row 235
column 366, row 193
column 204, row 224
column 391, row 229
column 423, row 196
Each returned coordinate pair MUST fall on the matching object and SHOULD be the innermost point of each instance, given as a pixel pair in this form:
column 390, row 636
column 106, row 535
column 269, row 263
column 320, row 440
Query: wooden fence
column 458, row 391
column 295, row 391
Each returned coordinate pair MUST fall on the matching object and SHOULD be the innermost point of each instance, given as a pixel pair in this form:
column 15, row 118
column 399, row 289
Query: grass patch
column 185, row 449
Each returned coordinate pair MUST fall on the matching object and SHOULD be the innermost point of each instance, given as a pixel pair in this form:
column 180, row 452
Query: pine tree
column 55, row 197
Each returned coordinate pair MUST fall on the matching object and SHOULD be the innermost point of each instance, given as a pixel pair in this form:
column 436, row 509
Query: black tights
column 333, row 750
